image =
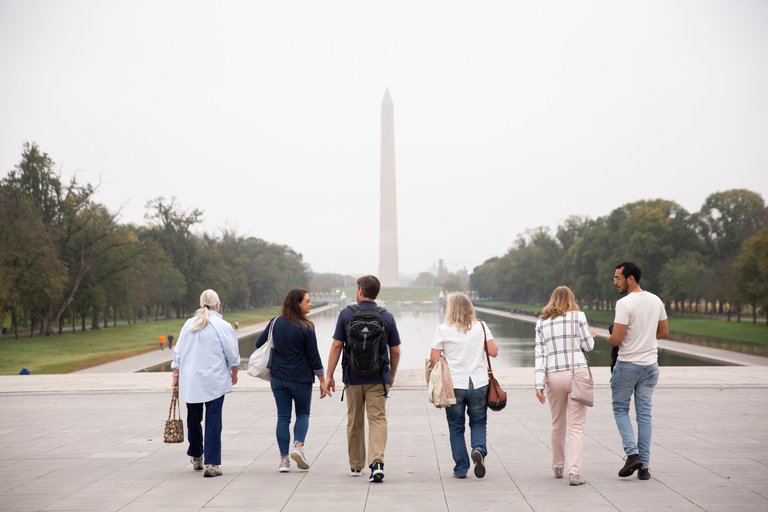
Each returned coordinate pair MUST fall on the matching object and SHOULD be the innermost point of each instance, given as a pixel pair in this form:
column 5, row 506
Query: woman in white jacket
column 562, row 335
column 461, row 340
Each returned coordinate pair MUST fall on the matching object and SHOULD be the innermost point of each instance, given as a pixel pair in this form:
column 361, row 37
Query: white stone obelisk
column 389, row 268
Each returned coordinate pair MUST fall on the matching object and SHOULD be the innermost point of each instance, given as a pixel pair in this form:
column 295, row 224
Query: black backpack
column 365, row 350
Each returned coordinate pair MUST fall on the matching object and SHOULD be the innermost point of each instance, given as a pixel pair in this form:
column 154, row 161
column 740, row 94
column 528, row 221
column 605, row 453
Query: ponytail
column 208, row 300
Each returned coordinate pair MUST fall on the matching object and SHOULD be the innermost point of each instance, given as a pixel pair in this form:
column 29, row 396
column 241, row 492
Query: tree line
column 715, row 259
column 63, row 255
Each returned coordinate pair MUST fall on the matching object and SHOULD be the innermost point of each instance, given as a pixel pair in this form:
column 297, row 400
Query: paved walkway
column 101, row 448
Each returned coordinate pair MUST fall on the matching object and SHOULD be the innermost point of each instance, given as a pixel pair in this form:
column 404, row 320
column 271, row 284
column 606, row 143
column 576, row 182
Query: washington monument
column 389, row 268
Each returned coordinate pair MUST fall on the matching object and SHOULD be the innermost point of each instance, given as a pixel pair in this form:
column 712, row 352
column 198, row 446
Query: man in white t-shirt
column 639, row 323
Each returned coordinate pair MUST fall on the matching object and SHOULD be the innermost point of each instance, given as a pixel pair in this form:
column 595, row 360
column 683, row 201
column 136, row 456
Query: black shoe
column 633, row 463
column 479, row 460
column 377, row 472
column 644, row 474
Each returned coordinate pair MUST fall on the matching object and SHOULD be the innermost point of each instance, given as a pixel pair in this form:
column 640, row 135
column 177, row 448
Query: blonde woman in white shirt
column 461, row 340
column 553, row 371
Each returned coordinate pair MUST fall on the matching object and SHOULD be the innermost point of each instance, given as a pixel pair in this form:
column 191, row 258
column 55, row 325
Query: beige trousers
column 362, row 398
column 566, row 413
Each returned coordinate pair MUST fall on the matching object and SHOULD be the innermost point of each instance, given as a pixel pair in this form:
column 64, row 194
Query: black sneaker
column 377, row 472
column 479, row 460
column 633, row 463
column 644, row 473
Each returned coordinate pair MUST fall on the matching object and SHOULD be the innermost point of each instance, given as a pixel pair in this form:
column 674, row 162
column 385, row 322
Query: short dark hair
column 629, row 269
column 370, row 286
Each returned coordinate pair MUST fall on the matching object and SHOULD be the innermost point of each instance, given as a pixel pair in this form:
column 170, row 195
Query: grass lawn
column 737, row 331
column 75, row 351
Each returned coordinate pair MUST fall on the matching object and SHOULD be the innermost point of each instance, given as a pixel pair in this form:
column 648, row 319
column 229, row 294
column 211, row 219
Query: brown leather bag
column 497, row 397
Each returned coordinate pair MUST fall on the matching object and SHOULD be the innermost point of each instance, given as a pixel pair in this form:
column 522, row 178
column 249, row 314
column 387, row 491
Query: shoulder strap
column 485, row 346
column 354, row 307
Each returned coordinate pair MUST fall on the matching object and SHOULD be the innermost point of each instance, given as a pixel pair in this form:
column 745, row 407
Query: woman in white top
column 560, row 322
column 461, row 340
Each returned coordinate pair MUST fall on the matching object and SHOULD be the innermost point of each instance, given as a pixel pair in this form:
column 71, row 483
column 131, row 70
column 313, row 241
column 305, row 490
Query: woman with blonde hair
column 205, row 364
column 562, row 335
column 461, row 339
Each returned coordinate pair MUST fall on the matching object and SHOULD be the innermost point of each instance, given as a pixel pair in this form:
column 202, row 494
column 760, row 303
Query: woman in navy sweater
column 295, row 363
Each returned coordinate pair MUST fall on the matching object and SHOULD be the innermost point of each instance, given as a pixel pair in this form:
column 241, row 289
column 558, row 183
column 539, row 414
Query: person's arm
column 233, row 372
column 540, row 362
column 493, row 348
column 619, row 331
column 333, row 360
column 434, row 355
column 394, row 360
column 586, row 337
column 662, row 331
column 323, row 387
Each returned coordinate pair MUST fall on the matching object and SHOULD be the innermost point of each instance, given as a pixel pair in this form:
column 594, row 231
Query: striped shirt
column 553, row 344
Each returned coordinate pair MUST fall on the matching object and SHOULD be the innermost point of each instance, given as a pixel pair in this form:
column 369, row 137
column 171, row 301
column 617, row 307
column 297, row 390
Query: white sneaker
column 197, row 463
column 298, row 456
column 285, row 466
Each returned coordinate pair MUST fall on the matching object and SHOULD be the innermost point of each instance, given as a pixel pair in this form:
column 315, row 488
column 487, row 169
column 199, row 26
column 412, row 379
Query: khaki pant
column 368, row 398
column 566, row 414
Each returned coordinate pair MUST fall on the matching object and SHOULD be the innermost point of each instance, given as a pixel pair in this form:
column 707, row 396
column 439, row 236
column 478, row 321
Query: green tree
column 729, row 218
column 751, row 272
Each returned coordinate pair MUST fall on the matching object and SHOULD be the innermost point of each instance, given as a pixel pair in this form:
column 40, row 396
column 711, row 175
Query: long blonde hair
column 460, row 312
column 561, row 302
column 208, row 301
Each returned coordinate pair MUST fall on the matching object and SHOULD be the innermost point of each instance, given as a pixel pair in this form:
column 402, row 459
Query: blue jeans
column 475, row 401
column 628, row 378
column 212, row 430
column 287, row 393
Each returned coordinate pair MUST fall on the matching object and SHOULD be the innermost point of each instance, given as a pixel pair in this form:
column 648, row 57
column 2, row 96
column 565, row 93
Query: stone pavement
column 94, row 442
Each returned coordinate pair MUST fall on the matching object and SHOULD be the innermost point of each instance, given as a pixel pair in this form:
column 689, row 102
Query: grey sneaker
column 285, row 466
column 298, row 456
column 576, row 480
column 558, row 472
column 197, row 463
column 479, row 460
column 212, row 470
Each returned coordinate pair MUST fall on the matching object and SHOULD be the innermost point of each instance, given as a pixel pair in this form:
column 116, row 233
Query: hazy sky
column 508, row 115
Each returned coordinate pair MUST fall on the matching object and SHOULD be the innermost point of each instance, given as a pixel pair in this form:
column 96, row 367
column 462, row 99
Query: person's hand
column 540, row 395
column 330, row 384
column 324, row 391
column 593, row 334
column 175, row 381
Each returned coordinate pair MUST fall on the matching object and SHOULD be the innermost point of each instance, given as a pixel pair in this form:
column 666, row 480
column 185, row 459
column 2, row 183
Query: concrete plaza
column 94, row 442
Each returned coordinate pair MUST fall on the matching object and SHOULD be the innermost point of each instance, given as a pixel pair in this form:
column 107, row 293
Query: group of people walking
column 367, row 343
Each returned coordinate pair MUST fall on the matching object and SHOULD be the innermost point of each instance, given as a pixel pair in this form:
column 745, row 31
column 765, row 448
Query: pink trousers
column 566, row 413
